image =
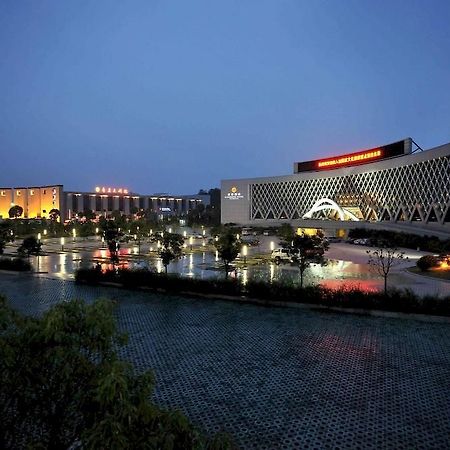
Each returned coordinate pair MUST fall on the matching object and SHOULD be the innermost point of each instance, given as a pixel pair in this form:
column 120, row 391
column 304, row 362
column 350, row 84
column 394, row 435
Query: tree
column 62, row 385
column 30, row 246
column 54, row 214
column 89, row 214
column 171, row 248
column 427, row 262
column 306, row 249
column 6, row 235
column 15, row 212
column 228, row 247
column 383, row 259
column 111, row 235
column 286, row 233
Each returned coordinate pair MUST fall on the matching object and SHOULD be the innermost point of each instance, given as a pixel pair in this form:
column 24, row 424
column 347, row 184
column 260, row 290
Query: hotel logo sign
column 234, row 194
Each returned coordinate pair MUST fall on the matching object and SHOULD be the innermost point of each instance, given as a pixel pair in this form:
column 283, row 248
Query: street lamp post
column 244, row 253
column 38, row 250
column 139, row 240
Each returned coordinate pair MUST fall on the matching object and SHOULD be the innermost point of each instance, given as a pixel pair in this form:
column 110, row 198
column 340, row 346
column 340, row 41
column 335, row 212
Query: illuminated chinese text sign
column 109, row 190
column 355, row 158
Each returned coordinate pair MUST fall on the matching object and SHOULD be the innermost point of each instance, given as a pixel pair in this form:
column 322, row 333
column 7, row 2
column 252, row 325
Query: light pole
column 38, row 250
column 139, row 240
column 244, row 253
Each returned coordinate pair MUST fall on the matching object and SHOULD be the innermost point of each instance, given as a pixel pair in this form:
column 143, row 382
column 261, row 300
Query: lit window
column 31, row 191
column 2, row 193
column 18, row 193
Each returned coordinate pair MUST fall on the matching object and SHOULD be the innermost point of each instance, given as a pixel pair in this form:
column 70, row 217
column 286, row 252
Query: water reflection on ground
column 206, row 265
column 347, row 266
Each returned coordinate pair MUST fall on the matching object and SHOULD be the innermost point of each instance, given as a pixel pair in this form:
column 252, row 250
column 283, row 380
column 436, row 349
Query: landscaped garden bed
column 395, row 300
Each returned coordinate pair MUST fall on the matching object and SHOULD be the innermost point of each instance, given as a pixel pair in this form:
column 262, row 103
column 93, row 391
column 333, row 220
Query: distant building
column 37, row 202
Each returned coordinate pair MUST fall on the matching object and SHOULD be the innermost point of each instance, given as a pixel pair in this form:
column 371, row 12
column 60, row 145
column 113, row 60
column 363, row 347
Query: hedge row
column 395, row 300
column 406, row 240
column 17, row 264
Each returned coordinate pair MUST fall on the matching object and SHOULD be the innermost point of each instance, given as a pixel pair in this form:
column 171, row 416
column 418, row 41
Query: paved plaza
column 279, row 378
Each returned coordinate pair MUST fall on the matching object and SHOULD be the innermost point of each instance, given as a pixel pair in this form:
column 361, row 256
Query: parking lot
column 279, row 378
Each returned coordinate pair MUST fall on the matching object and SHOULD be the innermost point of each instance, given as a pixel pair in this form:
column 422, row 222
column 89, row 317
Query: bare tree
column 383, row 259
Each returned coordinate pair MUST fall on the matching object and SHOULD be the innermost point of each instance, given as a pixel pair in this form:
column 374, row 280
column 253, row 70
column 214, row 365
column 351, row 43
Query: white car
column 281, row 254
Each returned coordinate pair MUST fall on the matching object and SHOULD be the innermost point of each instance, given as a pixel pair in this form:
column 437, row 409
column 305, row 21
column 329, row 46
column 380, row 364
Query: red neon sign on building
column 348, row 160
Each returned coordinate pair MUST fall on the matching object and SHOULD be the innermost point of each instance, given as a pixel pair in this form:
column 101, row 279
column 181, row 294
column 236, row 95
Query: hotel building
column 389, row 186
column 37, row 202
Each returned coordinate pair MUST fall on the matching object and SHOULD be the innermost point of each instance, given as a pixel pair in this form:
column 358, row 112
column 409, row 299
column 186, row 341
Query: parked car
column 279, row 255
column 362, row 241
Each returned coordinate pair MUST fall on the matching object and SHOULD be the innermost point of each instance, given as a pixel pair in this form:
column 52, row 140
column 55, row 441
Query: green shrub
column 17, row 264
column 427, row 262
column 394, row 300
column 62, row 385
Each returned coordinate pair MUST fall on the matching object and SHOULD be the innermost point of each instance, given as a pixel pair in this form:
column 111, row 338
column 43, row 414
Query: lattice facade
column 414, row 192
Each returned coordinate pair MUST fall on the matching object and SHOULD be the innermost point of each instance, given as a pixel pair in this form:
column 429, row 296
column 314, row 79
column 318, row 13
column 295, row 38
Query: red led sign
column 354, row 158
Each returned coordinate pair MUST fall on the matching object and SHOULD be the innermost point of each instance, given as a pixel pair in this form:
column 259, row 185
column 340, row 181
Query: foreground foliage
column 63, row 386
column 393, row 300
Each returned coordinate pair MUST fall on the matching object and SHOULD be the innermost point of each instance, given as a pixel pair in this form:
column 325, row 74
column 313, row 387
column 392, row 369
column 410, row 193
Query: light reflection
column 217, row 256
column 244, row 276
column 272, row 271
column 62, row 263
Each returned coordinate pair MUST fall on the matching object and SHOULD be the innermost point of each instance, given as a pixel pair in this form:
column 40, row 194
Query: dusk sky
column 173, row 96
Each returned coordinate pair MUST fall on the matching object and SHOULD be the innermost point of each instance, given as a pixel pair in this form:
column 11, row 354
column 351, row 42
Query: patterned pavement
column 279, row 378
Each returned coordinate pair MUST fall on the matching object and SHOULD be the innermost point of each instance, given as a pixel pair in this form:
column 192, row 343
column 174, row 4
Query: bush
column 17, row 264
column 62, row 385
column 427, row 262
column 394, row 300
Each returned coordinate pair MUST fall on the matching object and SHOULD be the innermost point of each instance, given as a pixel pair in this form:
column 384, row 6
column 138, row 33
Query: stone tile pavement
column 279, row 378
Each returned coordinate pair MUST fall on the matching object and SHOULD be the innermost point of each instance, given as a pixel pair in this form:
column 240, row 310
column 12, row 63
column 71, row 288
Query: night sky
column 173, row 96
